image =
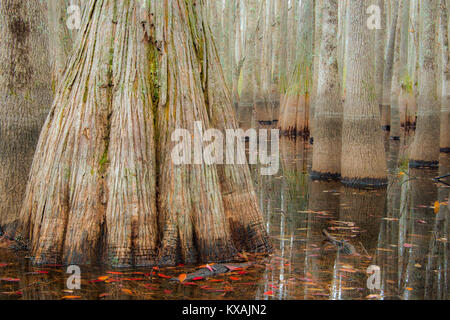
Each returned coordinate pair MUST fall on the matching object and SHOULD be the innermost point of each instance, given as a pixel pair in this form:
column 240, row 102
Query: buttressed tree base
column 103, row 187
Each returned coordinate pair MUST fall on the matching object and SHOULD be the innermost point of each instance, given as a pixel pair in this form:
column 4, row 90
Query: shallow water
column 403, row 230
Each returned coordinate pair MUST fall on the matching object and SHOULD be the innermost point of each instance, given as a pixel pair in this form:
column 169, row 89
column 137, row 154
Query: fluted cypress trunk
column 61, row 38
column 328, row 111
column 425, row 150
column 25, row 96
column 363, row 155
column 103, row 186
column 445, row 106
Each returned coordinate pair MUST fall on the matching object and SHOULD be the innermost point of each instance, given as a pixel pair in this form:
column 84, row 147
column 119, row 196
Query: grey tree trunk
column 363, row 154
column 445, row 105
column 424, row 151
column 328, row 113
column 25, row 97
column 388, row 69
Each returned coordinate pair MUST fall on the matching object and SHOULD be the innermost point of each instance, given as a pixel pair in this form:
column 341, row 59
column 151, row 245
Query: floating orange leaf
column 103, row 278
column 127, row 291
column 71, row 297
column 182, row 277
column 437, row 206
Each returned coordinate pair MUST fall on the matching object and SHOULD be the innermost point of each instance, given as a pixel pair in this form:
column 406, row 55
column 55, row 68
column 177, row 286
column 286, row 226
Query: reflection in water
column 403, row 230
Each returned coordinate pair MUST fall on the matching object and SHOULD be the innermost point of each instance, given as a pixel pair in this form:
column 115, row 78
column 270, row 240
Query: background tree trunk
column 328, row 113
column 445, row 106
column 363, row 155
column 388, row 68
column 425, row 150
column 25, row 96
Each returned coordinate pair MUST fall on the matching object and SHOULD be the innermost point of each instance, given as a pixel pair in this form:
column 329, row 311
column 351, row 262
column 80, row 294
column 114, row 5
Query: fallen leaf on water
column 269, row 293
column 182, row 277
column 104, row 295
column 10, row 279
column 373, row 296
column 418, row 265
column 437, row 205
column 71, row 297
column 127, row 291
column 113, row 272
column 234, row 278
column 408, row 245
column 103, row 278
column 163, row 276
column 167, row 291
column 209, row 268
column 409, row 289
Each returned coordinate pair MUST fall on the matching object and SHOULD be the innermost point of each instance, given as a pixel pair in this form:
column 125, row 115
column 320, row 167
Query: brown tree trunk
column 363, row 155
column 424, row 151
column 25, row 90
column 295, row 101
column 103, row 186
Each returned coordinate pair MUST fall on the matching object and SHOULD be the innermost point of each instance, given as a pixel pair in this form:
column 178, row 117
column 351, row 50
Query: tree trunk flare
column 25, row 90
column 103, row 186
column 329, row 108
column 363, row 155
column 424, row 151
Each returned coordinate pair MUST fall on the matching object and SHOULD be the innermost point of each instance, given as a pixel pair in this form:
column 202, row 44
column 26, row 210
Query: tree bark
column 424, row 151
column 328, row 113
column 445, row 105
column 103, row 186
column 388, row 69
column 363, row 155
column 25, row 91
column 295, row 101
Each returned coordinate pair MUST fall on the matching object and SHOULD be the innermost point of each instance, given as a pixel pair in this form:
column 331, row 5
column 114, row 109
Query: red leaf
column 197, row 278
column 163, row 276
column 268, row 293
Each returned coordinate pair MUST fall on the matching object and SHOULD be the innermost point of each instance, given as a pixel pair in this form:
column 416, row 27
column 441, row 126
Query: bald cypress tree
column 103, row 186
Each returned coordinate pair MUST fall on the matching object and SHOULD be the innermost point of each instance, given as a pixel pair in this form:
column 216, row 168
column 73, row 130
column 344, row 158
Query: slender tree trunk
column 363, row 155
column 25, row 91
column 445, row 106
column 388, row 69
column 395, row 82
column 103, row 185
column 328, row 115
column 294, row 105
column 424, row 151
